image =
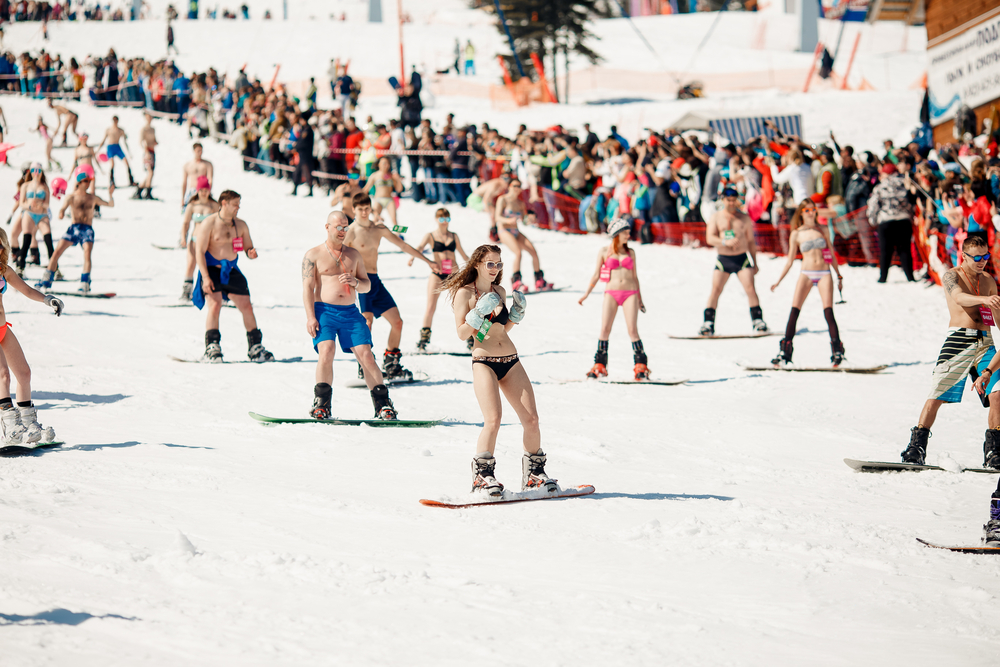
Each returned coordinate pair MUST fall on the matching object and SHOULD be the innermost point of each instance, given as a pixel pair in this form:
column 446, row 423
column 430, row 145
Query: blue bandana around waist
column 198, row 296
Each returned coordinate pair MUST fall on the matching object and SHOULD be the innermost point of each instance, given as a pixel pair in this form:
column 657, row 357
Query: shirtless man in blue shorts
column 332, row 273
column 365, row 235
column 81, row 232
column 115, row 138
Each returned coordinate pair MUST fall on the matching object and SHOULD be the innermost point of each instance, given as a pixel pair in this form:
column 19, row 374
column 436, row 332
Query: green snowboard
column 408, row 423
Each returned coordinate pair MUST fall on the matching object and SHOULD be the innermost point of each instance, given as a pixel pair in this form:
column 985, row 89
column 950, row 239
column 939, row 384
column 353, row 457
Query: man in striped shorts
column 973, row 304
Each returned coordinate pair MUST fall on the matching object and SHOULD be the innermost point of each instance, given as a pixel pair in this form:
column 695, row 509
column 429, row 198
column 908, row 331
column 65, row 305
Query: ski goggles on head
column 977, row 258
column 353, row 177
column 490, row 266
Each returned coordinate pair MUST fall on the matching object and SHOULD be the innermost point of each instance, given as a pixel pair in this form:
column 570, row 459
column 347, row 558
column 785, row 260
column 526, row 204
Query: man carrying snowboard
column 332, row 274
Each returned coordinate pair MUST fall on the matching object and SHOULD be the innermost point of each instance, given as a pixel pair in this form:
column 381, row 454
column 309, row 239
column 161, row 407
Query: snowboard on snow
column 23, row 450
column 168, row 247
column 448, row 354
column 889, row 466
column 403, row 423
column 202, row 360
column 89, row 295
column 538, row 291
column 514, row 497
column 764, row 334
column 358, row 383
column 961, row 549
column 660, row 383
column 820, row 369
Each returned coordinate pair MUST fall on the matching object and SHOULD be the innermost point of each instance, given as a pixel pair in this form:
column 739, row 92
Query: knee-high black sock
column 793, row 318
column 48, row 244
column 832, row 323
column 602, row 353
column 22, row 256
column 756, row 313
column 638, row 354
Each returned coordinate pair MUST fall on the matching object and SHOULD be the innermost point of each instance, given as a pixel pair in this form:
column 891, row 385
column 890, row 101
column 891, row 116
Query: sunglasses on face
column 490, row 266
column 341, row 228
column 809, row 209
column 36, row 171
column 977, row 258
column 444, row 219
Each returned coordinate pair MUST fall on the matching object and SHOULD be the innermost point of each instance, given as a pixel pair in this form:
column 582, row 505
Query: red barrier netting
column 563, row 212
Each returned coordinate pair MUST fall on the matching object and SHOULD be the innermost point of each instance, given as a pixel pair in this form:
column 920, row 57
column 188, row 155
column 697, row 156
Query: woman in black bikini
column 443, row 244
column 481, row 311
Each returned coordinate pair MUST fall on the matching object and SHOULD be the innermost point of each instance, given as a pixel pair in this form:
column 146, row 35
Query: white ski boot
column 35, row 431
column 14, row 432
column 483, row 468
column 533, row 473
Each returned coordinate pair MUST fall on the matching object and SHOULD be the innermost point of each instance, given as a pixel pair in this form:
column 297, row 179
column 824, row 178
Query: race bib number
column 446, row 266
column 605, row 274
column 987, row 315
column 399, row 229
column 729, row 235
column 483, row 330
column 238, row 244
column 827, row 256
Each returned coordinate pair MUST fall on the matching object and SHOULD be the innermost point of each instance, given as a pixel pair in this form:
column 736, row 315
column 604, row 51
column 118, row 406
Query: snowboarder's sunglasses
column 977, row 258
column 341, row 228
column 444, row 218
column 490, row 266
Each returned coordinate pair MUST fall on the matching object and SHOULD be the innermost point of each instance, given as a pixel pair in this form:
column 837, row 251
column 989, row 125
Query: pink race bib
column 605, row 274
column 827, row 256
column 238, row 244
column 446, row 266
column 987, row 316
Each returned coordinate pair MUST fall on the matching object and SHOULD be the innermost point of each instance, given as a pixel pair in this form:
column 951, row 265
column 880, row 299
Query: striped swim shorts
column 963, row 348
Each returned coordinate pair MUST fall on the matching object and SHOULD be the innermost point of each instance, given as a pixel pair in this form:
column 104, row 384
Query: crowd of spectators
column 665, row 177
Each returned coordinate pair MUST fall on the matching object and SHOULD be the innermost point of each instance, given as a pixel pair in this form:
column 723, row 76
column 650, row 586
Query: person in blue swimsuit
column 115, row 138
column 333, row 274
column 35, row 197
column 200, row 207
column 81, row 232
column 218, row 242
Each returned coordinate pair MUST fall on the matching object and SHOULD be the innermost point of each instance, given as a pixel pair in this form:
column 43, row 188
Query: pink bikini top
column 612, row 263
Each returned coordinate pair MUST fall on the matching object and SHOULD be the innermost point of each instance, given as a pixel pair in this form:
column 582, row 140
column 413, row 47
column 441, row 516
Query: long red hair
column 618, row 246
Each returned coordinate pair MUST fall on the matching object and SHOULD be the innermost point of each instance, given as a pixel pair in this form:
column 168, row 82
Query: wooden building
column 963, row 54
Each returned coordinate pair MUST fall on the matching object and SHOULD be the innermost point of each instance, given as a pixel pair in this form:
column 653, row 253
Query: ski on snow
column 513, row 497
column 358, row 383
column 399, row 423
column 729, row 336
column 88, row 295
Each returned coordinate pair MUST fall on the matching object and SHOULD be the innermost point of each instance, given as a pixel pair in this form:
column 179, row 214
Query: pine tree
column 548, row 27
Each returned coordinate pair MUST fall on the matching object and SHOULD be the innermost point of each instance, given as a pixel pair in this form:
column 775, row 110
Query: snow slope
column 172, row 529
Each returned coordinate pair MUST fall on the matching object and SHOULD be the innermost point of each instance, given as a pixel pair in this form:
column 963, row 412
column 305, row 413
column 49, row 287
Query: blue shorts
column 377, row 300
column 78, row 234
column 114, row 150
column 345, row 322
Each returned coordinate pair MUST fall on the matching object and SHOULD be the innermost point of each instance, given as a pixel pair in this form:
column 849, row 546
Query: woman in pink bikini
column 616, row 267
column 444, row 244
column 817, row 261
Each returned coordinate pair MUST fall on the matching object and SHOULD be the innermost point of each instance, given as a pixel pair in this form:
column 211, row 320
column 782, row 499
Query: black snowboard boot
column 785, row 349
column 393, row 368
column 917, row 449
column 256, row 351
column 425, row 339
column 991, row 449
column 213, row 346
column 35, row 257
column 991, row 531
column 383, row 406
column 323, row 401
column 837, row 356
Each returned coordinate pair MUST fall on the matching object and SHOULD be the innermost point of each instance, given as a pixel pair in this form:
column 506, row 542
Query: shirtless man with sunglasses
column 973, row 306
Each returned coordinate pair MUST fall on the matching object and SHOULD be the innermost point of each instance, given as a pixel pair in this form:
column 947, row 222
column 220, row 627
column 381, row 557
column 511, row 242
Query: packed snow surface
column 725, row 530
